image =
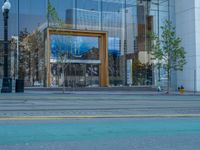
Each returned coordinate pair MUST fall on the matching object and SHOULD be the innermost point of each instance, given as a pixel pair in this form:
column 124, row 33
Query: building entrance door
column 82, row 75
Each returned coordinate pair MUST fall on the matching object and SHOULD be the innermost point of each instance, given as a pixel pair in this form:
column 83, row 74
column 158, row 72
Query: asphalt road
column 101, row 134
column 99, row 121
column 95, row 104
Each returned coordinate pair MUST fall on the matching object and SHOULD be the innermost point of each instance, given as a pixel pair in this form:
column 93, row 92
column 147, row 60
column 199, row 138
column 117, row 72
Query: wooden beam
column 103, row 47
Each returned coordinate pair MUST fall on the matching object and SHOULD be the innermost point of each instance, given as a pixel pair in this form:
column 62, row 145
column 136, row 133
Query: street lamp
column 7, row 82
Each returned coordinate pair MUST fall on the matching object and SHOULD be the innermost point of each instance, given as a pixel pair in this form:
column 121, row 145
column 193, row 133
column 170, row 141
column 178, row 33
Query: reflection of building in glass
column 86, row 19
column 91, row 20
column 127, row 24
column 75, row 46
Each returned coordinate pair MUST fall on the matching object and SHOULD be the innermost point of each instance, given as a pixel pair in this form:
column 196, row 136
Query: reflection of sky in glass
column 76, row 45
column 113, row 45
column 79, row 45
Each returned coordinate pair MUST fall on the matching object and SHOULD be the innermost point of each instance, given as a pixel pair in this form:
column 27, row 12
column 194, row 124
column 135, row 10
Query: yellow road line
column 97, row 116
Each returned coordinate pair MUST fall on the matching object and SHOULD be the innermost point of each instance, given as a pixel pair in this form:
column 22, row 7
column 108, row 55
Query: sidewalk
column 142, row 90
column 135, row 90
column 98, row 103
column 105, row 90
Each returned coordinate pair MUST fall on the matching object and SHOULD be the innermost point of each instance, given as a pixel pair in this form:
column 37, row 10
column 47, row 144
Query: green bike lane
column 81, row 131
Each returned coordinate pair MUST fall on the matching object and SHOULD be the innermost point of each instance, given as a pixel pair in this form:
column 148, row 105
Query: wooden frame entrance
column 103, row 54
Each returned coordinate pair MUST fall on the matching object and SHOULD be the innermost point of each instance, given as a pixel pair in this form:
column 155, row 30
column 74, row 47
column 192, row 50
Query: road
column 99, row 121
column 101, row 134
column 99, row 103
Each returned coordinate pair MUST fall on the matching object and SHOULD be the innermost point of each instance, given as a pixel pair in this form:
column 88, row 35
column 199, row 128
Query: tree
column 53, row 17
column 31, row 58
column 36, row 45
column 62, row 53
column 167, row 51
column 62, row 58
column 23, row 54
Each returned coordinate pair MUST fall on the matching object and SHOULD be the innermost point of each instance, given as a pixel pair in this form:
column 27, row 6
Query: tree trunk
column 169, row 81
column 63, row 74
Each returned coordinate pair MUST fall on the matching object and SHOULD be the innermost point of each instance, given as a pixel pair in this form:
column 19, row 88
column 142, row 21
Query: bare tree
column 62, row 57
column 32, row 57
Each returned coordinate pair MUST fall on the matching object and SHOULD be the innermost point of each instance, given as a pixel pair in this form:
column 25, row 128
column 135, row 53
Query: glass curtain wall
column 138, row 23
column 142, row 17
column 32, row 22
column 64, row 11
column 113, row 21
column 126, row 21
column 88, row 14
column 160, row 10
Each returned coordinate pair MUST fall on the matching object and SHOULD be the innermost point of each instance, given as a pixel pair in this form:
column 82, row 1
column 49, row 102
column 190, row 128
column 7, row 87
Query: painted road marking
column 35, row 133
column 98, row 116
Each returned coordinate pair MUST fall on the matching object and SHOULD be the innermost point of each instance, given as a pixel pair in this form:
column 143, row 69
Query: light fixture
column 6, row 6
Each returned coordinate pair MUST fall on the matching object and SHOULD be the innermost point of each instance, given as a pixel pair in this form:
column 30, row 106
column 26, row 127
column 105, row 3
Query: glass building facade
column 127, row 23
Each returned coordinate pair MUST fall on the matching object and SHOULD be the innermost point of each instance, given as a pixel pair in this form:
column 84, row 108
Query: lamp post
column 7, row 82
